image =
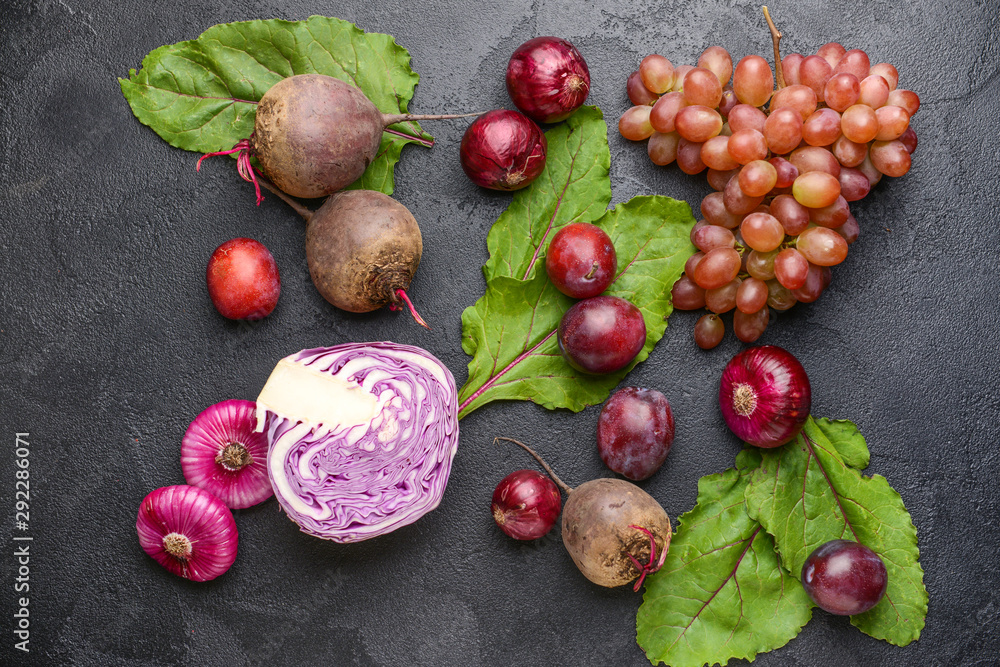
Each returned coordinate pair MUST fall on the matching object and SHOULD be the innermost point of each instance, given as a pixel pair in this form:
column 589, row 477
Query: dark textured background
column 110, row 346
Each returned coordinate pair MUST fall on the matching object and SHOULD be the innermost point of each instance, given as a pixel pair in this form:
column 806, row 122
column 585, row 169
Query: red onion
column 188, row 531
column 503, row 150
column 221, row 453
column 765, row 396
column 547, row 79
column 526, row 504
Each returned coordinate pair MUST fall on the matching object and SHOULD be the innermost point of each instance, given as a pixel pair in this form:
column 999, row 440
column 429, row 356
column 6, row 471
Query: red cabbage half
column 360, row 436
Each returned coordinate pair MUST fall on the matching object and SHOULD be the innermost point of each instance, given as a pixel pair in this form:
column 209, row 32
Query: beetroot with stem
column 315, row 134
column 363, row 248
column 614, row 531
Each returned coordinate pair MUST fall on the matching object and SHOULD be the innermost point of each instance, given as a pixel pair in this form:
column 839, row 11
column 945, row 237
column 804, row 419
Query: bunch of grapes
column 784, row 163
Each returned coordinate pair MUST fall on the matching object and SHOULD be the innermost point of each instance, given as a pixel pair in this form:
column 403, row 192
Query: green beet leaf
column 721, row 592
column 573, row 188
column 511, row 331
column 201, row 95
column 811, row 491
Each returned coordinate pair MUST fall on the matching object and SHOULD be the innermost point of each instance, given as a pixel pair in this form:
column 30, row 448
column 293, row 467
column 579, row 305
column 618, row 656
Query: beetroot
column 315, row 134
column 614, row 531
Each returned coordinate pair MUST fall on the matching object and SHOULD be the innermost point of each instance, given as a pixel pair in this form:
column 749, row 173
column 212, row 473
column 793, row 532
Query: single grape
column 718, row 178
column 751, row 295
column 841, row 91
column 634, row 123
column 689, row 157
column 701, row 86
column 790, row 65
column 814, row 72
column 815, row 158
column 909, row 140
column 786, row 171
column 708, row 331
column 831, row 216
column 728, row 101
column 850, row 230
column 844, row 577
column 890, row 157
column 637, row 91
column 602, row 334
column 778, row 296
column 854, row 185
column 679, row 73
column 748, row 327
column 581, row 260
column 907, row 99
column 822, row 128
column 657, row 73
column 722, row 299
column 718, row 267
column 854, row 62
column 832, row 52
column 849, row 153
column 783, row 130
column 874, row 91
column 791, row 268
column 713, row 208
column 817, row 281
column 793, row 216
column 822, row 246
column 753, row 81
column 816, row 189
column 887, row 72
column 799, row 97
column 757, row 178
column 746, row 117
column 662, row 148
column 698, row 123
column 710, row 237
column 692, row 262
column 868, row 169
column 745, row 146
column 892, row 122
column 664, row 113
column 762, row 232
column 686, row 295
column 760, row 265
column 715, row 154
column 718, row 61
column 738, row 202
column 635, row 431
column 859, row 123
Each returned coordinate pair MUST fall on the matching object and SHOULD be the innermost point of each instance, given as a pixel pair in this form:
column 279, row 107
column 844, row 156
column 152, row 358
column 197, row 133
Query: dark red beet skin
column 635, row 432
column 602, row 334
column 844, row 577
column 581, row 261
column 503, row 150
column 547, row 79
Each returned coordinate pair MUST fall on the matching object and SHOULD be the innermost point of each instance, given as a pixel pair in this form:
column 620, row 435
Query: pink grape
column 783, row 130
column 713, row 209
column 715, row 154
column 892, row 122
column 887, row 72
column 748, row 327
column 841, row 91
column 717, row 267
column 815, row 158
column 790, row 68
column 822, row 246
column 746, row 117
column 738, row 202
column 854, row 185
column 662, row 147
column 757, row 178
column 728, row 101
column 751, row 295
column 849, row 153
column 722, row 299
column 874, row 91
column 637, row 91
column 791, row 268
column 753, row 81
column 634, row 123
column 816, row 189
column 850, row 230
column 793, row 216
column 717, row 60
column 821, row 128
column 701, row 86
column 679, row 73
column 760, row 265
column 831, row 216
column 718, row 179
column 657, row 73
column 854, row 62
column 746, row 146
column 689, row 157
column 890, row 157
column 779, row 297
column 786, row 171
column 909, row 140
column 859, row 123
column 832, row 52
column 801, row 98
column 686, row 295
column 762, row 232
column 814, row 72
column 664, row 112
column 698, row 123
column 907, row 99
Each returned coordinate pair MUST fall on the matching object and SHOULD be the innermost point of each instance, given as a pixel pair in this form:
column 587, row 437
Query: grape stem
column 776, row 38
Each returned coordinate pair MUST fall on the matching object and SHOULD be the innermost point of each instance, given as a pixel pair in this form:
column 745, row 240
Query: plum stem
column 393, row 118
column 401, row 293
column 648, row 568
column 243, row 165
column 297, row 207
column 776, row 38
column 555, row 478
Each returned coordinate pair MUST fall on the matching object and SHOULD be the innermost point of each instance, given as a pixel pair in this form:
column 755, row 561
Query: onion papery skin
column 208, row 435
column 352, row 482
column 198, row 516
column 503, row 150
column 781, row 395
column 526, row 504
column 547, row 79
